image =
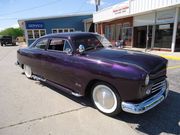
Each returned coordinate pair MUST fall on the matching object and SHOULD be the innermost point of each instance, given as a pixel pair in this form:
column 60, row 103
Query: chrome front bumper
column 147, row 104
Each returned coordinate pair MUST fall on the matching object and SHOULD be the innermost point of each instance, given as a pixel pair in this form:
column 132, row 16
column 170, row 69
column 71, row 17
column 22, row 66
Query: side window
column 67, row 46
column 41, row 44
column 59, row 45
column 56, row 44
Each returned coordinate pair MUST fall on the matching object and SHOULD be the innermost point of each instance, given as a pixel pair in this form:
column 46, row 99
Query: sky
column 13, row 10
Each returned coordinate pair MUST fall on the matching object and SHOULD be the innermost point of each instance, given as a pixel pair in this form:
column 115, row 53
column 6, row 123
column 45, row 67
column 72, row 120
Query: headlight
column 147, row 80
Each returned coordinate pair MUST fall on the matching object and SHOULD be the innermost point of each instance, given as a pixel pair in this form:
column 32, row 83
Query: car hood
column 147, row 62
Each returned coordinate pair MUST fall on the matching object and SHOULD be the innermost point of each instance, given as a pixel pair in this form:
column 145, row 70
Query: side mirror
column 81, row 49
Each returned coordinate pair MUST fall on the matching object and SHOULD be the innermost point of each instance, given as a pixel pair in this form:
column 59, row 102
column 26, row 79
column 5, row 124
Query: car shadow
column 85, row 101
column 164, row 118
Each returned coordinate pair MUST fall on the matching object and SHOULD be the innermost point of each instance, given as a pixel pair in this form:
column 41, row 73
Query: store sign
column 38, row 25
column 165, row 16
column 121, row 9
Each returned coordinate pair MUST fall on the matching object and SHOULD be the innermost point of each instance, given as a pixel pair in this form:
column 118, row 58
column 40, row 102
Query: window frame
column 39, row 32
column 63, row 29
column 32, row 34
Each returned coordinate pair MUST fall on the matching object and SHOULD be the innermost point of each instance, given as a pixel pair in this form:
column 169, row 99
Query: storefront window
column 60, row 30
column 118, row 32
column 36, row 33
column 66, row 30
column 127, row 31
column 112, row 32
column 107, row 35
column 127, row 35
column 126, row 25
column 71, row 30
column 33, row 34
column 42, row 32
column 54, row 31
column 163, row 36
column 30, row 34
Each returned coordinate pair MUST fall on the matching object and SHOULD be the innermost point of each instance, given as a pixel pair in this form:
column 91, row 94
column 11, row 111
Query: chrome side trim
column 76, row 94
column 37, row 78
column 147, row 104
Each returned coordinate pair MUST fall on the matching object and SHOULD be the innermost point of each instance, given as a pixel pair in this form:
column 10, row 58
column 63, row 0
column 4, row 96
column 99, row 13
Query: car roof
column 70, row 34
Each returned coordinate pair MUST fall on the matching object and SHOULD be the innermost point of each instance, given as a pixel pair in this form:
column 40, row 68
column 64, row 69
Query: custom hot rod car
column 82, row 64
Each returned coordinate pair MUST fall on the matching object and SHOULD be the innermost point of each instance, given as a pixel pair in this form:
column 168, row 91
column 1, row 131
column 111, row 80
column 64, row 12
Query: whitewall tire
column 27, row 71
column 106, row 99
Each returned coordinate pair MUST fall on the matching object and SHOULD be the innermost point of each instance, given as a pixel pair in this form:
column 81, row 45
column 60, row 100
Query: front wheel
column 27, row 71
column 106, row 99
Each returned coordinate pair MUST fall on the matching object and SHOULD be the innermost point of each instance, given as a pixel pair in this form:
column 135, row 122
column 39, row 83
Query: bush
column 15, row 32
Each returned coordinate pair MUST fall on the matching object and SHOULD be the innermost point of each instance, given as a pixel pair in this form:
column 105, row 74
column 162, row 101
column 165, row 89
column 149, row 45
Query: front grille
column 158, row 86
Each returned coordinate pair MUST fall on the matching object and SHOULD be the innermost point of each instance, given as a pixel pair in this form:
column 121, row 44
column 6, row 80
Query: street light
column 97, row 2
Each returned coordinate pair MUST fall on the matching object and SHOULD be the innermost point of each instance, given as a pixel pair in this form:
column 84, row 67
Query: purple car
column 82, row 64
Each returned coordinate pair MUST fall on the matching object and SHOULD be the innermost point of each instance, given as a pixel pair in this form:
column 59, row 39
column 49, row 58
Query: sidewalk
column 167, row 55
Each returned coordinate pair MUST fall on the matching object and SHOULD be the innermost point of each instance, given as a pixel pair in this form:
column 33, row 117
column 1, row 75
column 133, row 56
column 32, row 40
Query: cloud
column 15, row 25
column 92, row 2
column 10, row 26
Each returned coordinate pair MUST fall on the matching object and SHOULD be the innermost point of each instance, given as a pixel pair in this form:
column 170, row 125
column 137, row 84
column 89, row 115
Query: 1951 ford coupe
column 81, row 64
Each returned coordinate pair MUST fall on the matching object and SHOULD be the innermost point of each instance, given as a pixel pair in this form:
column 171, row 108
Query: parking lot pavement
column 29, row 107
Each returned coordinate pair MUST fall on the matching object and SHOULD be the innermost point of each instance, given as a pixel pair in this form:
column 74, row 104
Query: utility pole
column 97, row 3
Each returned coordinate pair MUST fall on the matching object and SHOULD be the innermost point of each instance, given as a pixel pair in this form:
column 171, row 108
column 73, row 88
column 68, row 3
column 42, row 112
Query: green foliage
column 15, row 32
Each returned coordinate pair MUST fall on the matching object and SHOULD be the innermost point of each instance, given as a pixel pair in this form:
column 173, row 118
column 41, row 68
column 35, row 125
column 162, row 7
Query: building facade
column 37, row 27
column 147, row 24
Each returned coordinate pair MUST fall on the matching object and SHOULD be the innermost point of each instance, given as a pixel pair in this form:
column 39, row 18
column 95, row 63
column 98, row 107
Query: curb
column 170, row 57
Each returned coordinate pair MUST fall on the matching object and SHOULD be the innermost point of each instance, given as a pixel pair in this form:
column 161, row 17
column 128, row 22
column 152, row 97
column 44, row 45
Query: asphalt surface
column 30, row 107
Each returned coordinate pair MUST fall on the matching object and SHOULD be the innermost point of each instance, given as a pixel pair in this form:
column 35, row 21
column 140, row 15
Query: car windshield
column 91, row 42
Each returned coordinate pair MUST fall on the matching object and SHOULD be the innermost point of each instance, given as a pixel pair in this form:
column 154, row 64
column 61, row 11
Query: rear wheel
column 106, row 99
column 27, row 71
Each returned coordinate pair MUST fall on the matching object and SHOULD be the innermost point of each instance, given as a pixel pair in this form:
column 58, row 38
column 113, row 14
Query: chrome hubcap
column 104, row 98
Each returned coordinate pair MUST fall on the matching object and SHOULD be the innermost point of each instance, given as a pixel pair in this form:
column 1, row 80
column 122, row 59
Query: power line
column 36, row 7
column 8, row 18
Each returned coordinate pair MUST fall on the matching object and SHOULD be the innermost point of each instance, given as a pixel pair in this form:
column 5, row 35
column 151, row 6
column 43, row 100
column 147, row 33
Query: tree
column 15, row 32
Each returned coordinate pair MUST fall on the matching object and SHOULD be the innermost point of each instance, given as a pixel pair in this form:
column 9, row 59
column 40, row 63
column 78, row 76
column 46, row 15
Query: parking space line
column 173, row 67
column 170, row 57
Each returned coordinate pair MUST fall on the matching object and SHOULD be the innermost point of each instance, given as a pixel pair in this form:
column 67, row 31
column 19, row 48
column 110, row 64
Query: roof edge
column 52, row 17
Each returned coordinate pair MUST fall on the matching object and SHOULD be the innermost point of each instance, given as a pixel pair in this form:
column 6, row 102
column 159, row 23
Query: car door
column 35, row 56
column 57, row 61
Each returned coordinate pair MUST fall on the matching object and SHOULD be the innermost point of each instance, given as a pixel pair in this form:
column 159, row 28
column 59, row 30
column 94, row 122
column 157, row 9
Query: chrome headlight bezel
column 147, row 80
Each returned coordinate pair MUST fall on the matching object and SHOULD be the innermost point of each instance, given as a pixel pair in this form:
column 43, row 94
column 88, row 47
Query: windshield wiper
column 90, row 48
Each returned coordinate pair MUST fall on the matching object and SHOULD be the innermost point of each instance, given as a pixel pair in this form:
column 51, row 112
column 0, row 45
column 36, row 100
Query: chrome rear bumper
column 147, row 104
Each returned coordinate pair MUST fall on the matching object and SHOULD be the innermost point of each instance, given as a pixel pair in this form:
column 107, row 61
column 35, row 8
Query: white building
column 142, row 23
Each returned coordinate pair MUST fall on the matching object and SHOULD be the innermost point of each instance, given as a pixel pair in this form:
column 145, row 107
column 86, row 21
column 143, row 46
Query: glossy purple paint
column 124, row 70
